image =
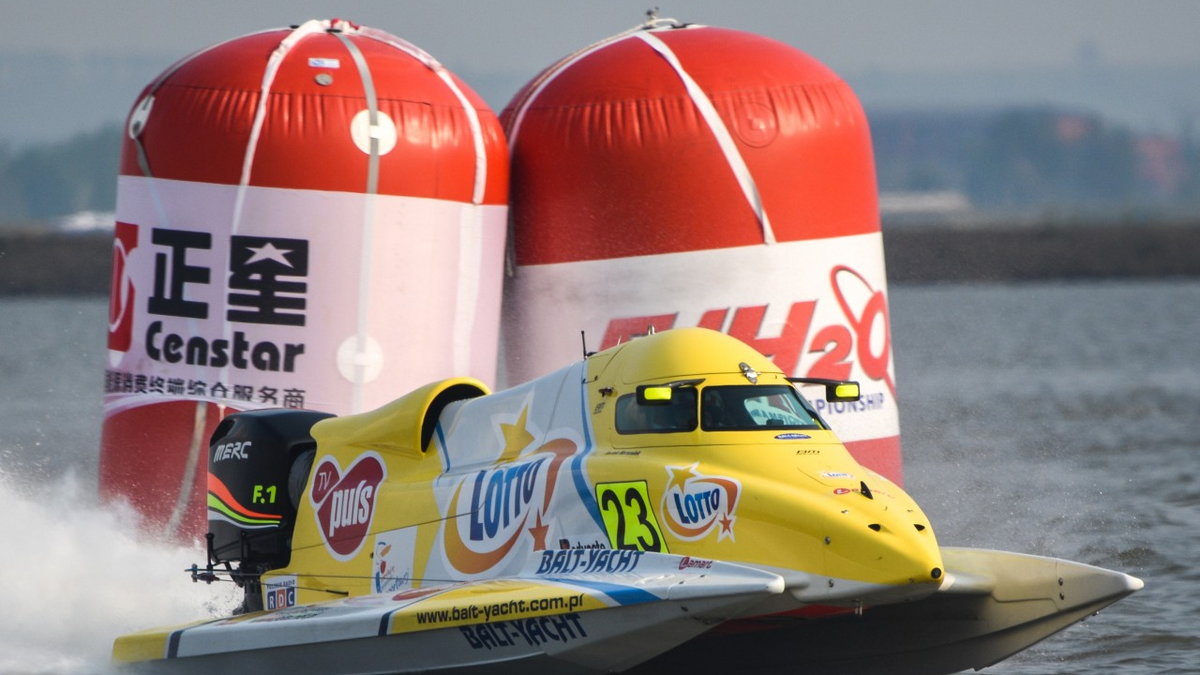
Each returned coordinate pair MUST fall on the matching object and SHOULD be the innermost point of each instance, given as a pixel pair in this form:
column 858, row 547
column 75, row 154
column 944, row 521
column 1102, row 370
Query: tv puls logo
column 345, row 503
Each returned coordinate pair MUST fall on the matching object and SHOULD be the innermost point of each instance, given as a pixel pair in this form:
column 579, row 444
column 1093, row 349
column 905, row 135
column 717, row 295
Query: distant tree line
column 1035, row 158
column 43, row 182
column 1005, row 160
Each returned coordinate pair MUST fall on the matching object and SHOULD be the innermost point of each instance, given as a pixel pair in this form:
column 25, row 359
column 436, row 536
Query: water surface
column 1054, row 419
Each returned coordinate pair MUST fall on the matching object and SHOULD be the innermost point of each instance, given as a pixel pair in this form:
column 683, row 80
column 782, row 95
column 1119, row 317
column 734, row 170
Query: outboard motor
column 258, row 466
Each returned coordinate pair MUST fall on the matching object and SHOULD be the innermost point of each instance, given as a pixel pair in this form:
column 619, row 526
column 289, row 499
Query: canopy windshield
column 721, row 408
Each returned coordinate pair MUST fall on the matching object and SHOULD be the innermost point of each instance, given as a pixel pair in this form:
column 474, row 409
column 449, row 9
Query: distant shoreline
column 919, row 254
column 81, row 264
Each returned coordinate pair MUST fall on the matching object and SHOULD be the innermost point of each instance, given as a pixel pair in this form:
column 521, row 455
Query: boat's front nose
column 877, row 541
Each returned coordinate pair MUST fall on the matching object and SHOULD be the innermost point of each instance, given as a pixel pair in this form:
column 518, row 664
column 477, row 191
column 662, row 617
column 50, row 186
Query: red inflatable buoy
column 680, row 175
column 310, row 217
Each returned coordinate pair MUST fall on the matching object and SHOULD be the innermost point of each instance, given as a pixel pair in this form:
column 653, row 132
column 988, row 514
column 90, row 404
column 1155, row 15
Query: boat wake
column 76, row 574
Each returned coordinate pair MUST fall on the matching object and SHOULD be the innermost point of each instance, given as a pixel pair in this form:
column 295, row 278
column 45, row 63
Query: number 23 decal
column 628, row 518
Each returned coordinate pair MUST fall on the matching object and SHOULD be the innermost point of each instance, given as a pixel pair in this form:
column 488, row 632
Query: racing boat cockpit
column 672, row 407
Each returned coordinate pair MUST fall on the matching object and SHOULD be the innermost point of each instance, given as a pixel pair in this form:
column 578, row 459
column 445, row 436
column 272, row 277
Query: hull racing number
column 628, row 518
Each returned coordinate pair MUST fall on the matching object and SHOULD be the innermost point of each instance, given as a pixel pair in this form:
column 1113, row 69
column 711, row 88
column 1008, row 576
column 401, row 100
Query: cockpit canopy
column 750, row 407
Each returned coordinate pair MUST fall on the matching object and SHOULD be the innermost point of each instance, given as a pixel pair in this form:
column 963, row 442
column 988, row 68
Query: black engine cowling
column 258, row 465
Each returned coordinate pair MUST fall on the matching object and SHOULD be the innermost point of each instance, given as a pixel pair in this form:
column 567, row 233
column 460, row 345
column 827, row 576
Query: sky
column 528, row 34
column 114, row 47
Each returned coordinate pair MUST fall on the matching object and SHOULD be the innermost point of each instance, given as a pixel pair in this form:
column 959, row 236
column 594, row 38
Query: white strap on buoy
column 197, row 448
column 367, row 245
column 704, row 106
column 544, row 78
column 724, row 139
column 305, row 29
column 470, row 226
column 444, row 75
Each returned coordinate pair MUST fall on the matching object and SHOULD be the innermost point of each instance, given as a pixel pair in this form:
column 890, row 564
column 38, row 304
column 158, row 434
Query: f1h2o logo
column 862, row 337
column 629, row 519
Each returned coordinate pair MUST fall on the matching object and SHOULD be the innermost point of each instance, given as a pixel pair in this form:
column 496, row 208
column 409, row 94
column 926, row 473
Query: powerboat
column 674, row 502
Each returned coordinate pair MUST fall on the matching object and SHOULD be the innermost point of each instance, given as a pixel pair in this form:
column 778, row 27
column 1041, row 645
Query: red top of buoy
column 318, row 77
column 680, row 138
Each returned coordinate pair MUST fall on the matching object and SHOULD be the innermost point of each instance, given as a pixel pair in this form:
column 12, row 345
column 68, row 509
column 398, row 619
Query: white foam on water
column 75, row 574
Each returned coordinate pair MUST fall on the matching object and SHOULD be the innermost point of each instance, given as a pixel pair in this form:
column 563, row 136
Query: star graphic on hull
column 726, row 526
column 680, row 476
column 539, row 532
column 516, row 437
